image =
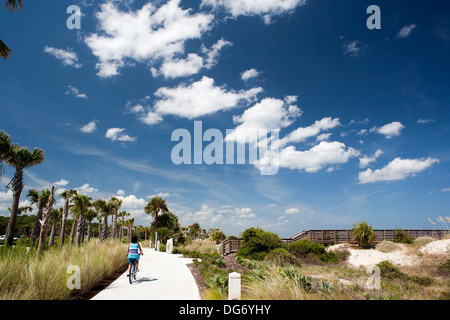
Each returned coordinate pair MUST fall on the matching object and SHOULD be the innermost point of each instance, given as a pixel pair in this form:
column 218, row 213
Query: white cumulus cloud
column 321, row 155
column 264, row 8
column 149, row 34
column 89, row 127
column 389, row 130
column 117, row 134
column 397, row 169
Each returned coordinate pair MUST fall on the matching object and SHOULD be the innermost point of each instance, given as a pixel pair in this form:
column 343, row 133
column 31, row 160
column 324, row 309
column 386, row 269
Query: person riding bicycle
column 133, row 253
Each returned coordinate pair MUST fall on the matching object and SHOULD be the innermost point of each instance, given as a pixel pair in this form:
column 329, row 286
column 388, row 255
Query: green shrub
column 258, row 243
column 391, row 272
column 282, row 257
column 325, row 287
column 400, row 236
column 220, row 263
column 311, row 252
column 294, row 275
column 364, row 234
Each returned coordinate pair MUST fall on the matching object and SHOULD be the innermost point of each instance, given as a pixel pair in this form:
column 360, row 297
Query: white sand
column 365, row 258
column 437, row 247
column 370, row 257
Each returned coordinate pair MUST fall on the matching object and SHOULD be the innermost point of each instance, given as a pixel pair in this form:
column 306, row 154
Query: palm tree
column 75, row 214
column 104, row 208
column 82, row 203
column 56, row 215
column 122, row 214
column 363, row 233
column 46, row 214
column 156, row 205
column 68, row 196
column 40, row 200
column 20, row 158
column 115, row 206
column 90, row 215
column 129, row 223
column 13, row 5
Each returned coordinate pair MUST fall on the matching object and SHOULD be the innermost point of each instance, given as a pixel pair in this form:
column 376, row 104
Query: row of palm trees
column 81, row 206
column 20, row 158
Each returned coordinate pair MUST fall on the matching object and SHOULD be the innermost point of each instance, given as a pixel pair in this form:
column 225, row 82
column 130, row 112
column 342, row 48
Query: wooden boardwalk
column 329, row 237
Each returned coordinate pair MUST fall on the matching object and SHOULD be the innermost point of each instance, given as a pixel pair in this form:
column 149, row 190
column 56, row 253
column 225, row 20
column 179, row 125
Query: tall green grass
column 25, row 277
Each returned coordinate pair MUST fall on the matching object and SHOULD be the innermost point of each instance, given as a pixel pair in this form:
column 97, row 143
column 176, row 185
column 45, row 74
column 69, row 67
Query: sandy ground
column 370, row 257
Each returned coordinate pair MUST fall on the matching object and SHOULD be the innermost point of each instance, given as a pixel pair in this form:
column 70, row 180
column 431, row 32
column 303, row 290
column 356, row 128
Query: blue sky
column 362, row 114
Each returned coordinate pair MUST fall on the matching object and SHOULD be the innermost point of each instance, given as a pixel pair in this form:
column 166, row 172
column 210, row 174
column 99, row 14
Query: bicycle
column 133, row 271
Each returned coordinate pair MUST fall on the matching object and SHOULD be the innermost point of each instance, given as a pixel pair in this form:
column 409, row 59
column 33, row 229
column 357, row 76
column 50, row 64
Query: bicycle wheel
column 130, row 276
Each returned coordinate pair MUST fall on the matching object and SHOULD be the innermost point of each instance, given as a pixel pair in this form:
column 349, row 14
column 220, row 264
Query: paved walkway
column 161, row 276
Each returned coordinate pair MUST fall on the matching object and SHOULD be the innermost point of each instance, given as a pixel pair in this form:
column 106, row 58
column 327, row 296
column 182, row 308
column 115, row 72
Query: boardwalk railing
column 327, row 237
column 231, row 246
column 345, row 236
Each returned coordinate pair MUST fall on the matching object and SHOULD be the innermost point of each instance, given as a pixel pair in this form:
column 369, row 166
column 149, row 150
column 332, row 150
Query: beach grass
column 23, row 276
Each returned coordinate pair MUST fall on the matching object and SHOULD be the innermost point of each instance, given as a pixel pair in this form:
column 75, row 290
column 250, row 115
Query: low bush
column 258, row 243
column 400, row 236
column 387, row 246
column 314, row 253
column 421, row 241
column 391, row 272
column 282, row 257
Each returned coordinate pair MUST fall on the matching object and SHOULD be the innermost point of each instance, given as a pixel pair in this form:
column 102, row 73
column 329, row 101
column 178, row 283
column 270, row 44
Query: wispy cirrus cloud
column 71, row 90
column 405, row 32
column 67, row 57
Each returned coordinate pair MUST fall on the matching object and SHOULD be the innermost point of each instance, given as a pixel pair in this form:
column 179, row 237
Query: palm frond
column 13, row 5
column 4, row 50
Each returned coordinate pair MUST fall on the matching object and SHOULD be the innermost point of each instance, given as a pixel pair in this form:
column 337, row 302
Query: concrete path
column 161, row 276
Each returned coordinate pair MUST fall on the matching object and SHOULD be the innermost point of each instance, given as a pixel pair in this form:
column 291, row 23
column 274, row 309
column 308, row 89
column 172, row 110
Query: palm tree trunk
column 80, row 229
column 17, row 184
column 72, row 231
column 52, row 234
column 114, row 225
column 62, row 232
column 37, row 227
column 42, row 237
column 105, row 228
column 89, row 231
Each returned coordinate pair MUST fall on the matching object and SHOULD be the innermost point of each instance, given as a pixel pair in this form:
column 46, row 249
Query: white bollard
column 157, row 245
column 234, row 286
column 169, row 247
column 150, row 244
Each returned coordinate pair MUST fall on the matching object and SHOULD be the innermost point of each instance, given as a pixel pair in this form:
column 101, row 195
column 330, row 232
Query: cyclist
column 133, row 253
